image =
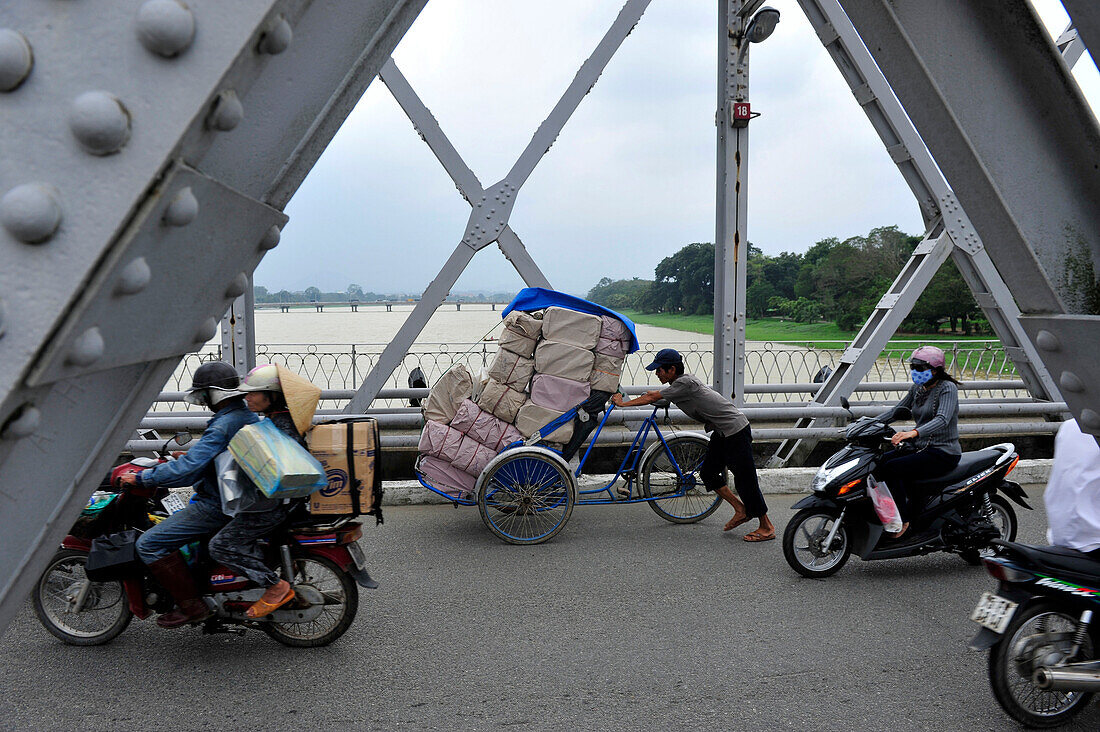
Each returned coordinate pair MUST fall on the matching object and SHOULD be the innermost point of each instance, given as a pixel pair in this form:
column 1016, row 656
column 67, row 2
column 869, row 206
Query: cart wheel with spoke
column 688, row 501
column 526, row 495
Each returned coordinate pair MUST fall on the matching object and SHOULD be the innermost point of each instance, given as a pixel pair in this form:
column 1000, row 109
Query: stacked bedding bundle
column 549, row 362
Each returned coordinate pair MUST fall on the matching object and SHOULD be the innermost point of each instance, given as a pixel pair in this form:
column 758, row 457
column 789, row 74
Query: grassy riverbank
column 774, row 329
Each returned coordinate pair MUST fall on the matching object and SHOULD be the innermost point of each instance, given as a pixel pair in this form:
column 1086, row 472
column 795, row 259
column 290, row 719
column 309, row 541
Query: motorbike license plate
column 993, row 612
column 357, row 555
column 172, row 503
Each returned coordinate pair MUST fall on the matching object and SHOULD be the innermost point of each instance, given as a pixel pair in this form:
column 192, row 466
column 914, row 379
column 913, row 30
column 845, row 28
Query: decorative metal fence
column 343, row 366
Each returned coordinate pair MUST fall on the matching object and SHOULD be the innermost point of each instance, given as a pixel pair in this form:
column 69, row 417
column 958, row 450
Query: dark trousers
column 237, row 544
column 898, row 467
column 734, row 452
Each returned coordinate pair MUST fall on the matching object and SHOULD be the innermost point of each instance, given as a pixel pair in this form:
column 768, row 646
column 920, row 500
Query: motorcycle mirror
column 182, row 438
column 845, row 403
column 903, row 413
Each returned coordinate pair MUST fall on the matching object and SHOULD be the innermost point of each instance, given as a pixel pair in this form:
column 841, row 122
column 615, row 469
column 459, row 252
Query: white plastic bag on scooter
column 885, row 506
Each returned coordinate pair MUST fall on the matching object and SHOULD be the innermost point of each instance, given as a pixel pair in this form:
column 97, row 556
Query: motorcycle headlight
column 826, row 475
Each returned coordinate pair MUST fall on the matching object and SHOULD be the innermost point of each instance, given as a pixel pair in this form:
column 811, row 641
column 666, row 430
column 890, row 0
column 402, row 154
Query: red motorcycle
column 319, row 558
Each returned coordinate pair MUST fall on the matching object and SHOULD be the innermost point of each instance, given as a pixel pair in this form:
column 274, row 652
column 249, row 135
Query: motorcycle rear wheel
column 1010, row 668
column 1004, row 518
column 103, row 614
column 341, row 603
column 803, row 539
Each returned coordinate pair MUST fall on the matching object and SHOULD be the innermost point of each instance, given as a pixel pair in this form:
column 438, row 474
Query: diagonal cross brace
column 464, row 178
column 492, row 207
column 935, row 199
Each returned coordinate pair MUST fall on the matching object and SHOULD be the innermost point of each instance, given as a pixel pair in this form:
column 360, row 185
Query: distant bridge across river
column 354, row 305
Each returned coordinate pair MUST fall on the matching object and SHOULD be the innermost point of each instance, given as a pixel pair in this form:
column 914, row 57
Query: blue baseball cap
column 665, row 357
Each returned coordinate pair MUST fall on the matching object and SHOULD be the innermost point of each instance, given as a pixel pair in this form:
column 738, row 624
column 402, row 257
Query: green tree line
column 834, row 280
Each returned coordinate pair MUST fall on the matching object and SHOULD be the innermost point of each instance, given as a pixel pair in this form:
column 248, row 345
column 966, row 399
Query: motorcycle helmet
column 930, row 355
column 264, row 377
column 212, row 384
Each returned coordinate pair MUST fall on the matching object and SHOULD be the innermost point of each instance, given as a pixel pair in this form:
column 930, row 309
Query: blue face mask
column 921, row 377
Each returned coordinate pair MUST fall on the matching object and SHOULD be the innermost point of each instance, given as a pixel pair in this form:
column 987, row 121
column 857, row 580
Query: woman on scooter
column 933, row 445
column 289, row 401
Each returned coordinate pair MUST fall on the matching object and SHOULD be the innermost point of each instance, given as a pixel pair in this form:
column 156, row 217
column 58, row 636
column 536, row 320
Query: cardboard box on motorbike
column 349, row 453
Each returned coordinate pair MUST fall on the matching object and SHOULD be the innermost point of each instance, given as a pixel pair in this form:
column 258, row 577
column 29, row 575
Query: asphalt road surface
column 623, row 622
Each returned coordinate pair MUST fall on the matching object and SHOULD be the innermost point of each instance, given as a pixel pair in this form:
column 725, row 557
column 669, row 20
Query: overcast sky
column 630, row 180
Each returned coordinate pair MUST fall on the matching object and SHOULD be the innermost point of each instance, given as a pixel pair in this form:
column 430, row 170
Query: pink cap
column 930, row 355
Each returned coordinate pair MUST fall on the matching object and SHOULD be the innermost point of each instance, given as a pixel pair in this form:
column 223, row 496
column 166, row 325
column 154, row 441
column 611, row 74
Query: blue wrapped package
column 277, row 464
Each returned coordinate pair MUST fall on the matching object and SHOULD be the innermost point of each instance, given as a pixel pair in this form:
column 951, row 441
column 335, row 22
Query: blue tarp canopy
column 537, row 298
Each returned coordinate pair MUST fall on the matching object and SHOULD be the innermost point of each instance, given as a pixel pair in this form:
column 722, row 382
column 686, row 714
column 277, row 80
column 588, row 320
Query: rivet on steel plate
column 23, row 423
column 1071, row 382
column 277, row 37
column 87, row 349
column 134, row 277
column 1090, row 420
column 16, row 59
column 165, row 27
column 271, row 239
column 206, row 331
column 1047, row 341
column 31, row 212
column 183, row 209
column 99, row 122
column 227, row 112
column 238, row 286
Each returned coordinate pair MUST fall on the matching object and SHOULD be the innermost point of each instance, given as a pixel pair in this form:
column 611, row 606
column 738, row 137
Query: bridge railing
column 774, row 370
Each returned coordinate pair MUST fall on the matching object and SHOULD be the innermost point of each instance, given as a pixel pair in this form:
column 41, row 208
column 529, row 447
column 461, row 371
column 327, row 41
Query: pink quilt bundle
column 564, row 360
column 562, row 325
column 490, row 431
column 521, row 333
column 472, row 456
column 532, row 417
column 554, row 392
column 512, row 370
column 500, row 400
column 614, row 337
column 446, row 477
column 606, row 373
column 439, row 440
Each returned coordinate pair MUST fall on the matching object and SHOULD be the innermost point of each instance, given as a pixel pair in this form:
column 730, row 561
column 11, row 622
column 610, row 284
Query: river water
column 376, row 326
column 337, row 349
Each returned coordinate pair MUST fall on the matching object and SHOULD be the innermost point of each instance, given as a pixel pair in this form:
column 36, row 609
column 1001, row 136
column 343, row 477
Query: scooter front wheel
column 804, row 543
column 75, row 609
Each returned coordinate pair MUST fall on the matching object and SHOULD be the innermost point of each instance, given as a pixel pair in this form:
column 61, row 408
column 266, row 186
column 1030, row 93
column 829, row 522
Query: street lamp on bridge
column 741, row 22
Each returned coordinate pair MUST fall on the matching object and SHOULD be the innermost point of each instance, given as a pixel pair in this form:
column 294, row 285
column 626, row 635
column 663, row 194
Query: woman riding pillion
column 213, row 386
column 730, row 443
column 289, row 401
column 934, row 402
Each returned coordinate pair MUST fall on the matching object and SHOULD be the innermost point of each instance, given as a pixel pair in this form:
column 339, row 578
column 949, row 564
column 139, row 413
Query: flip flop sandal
column 261, row 608
column 731, row 525
column 753, row 536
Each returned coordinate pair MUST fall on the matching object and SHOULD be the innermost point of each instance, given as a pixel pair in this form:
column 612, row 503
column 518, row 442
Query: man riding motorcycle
column 214, row 385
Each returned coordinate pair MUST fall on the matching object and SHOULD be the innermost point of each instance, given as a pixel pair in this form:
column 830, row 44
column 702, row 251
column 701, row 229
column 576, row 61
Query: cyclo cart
column 526, row 493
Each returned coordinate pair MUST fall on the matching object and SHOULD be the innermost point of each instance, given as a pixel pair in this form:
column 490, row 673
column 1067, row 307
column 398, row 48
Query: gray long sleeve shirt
column 936, row 412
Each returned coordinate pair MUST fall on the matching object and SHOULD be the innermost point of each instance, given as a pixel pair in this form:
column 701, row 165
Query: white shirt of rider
column 1072, row 496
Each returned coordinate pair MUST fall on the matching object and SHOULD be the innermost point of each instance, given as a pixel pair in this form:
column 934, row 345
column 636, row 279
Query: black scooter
column 1043, row 644
column 964, row 513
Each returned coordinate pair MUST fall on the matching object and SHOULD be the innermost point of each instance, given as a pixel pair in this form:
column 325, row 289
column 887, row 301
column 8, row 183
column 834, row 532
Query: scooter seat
column 1059, row 559
column 970, row 464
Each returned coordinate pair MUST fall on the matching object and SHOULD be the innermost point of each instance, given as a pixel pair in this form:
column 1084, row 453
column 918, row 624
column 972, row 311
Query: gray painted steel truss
column 492, row 207
column 944, row 217
column 147, row 150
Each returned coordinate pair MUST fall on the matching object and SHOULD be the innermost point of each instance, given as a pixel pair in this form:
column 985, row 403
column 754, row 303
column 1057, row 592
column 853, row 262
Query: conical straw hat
column 301, row 397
